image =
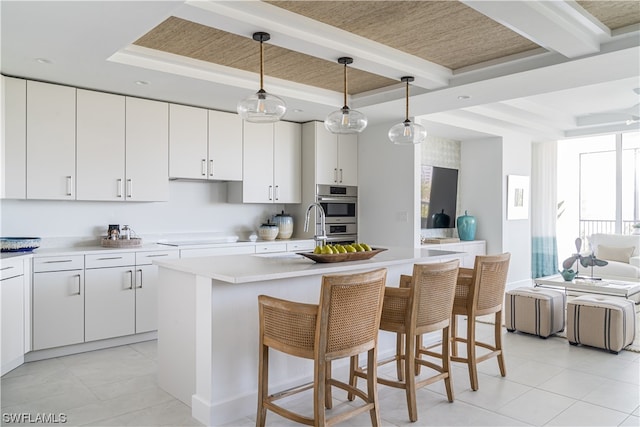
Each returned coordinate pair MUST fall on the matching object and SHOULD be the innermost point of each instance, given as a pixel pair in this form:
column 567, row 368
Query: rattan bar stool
column 480, row 291
column 422, row 304
column 344, row 323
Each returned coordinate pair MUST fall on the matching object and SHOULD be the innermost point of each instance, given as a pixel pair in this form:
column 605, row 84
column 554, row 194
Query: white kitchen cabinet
column 271, row 164
column 58, row 301
column 188, row 136
column 224, row 147
column 12, row 319
column 13, row 134
column 117, row 139
column 146, row 289
column 336, row 156
column 51, row 141
column 100, row 141
column 471, row 249
column 147, row 150
column 211, row 251
column 110, row 295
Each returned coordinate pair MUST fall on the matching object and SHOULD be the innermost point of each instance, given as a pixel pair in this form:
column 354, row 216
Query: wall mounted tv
column 439, row 192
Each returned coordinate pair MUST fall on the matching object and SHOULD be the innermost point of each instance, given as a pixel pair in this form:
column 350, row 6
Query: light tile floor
column 548, row 382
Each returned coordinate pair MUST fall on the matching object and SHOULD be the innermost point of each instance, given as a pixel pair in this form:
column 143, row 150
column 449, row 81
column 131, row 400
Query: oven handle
column 337, row 199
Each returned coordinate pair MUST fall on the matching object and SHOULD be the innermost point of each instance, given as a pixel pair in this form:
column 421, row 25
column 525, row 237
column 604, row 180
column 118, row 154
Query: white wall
column 388, row 189
column 193, row 207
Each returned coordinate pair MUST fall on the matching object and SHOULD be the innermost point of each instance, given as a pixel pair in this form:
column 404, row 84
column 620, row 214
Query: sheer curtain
column 544, row 209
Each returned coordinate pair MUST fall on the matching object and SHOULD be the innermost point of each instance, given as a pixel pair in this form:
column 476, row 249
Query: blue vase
column 466, row 227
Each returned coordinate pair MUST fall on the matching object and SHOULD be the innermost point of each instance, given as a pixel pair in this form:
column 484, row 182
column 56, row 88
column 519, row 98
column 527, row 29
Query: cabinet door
column 147, row 150
column 109, row 303
column 146, row 298
column 287, row 158
column 13, row 132
column 58, row 308
column 12, row 322
column 257, row 180
column 225, row 146
column 326, row 156
column 51, row 141
column 348, row 159
column 187, row 142
column 100, row 146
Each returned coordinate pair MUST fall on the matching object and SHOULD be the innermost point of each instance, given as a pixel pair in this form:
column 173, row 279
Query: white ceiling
column 548, row 94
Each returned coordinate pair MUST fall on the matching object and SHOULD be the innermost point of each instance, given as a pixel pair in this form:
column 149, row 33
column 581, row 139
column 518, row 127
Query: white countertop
column 259, row 267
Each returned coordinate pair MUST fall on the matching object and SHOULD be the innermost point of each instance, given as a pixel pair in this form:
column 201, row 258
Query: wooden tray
column 121, row 243
column 349, row 256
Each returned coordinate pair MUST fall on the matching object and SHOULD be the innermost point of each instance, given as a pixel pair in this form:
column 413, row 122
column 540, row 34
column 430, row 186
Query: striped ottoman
column 535, row 311
column 608, row 323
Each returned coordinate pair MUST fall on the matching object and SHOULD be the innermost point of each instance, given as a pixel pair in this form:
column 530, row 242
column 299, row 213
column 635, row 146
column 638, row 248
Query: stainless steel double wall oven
column 340, row 204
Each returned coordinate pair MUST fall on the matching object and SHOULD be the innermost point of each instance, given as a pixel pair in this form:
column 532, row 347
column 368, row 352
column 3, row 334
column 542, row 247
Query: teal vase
column 467, row 227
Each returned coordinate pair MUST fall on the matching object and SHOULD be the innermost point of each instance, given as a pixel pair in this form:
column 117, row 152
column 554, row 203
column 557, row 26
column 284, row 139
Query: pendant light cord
column 345, row 84
column 407, row 102
column 261, row 66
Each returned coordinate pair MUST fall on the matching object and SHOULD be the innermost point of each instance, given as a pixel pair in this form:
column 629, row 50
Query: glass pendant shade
column 261, row 107
column 345, row 120
column 407, row 132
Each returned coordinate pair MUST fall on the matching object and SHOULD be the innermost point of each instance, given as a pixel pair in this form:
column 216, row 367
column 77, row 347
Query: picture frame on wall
column 517, row 197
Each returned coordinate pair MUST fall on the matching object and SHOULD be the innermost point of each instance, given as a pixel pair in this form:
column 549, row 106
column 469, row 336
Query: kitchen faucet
column 322, row 238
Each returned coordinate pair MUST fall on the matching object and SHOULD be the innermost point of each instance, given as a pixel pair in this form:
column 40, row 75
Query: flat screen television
column 439, row 192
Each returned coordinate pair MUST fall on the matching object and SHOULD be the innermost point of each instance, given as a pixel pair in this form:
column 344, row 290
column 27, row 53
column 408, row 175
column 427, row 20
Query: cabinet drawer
column 110, row 260
column 146, row 258
column 11, row 268
column 270, row 247
column 58, row 263
column 306, row 245
column 229, row 250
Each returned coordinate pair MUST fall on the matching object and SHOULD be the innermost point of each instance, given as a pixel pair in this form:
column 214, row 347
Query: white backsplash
column 193, row 207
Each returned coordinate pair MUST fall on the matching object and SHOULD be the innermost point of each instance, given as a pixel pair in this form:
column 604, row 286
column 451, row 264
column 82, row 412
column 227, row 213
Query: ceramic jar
column 285, row 225
column 268, row 231
column 466, row 227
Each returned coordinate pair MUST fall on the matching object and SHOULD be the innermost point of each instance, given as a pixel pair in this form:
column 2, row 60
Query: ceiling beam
column 559, row 26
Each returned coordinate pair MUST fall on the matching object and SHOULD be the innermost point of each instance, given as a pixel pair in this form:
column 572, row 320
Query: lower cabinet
column 12, row 320
column 146, row 287
column 109, row 302
column 58, row 308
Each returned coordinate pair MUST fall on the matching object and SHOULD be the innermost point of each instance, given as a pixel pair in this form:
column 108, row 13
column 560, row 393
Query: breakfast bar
column 208, row 322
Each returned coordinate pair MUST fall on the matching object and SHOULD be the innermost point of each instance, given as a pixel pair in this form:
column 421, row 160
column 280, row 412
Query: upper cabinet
column 271, row 164
column 204, row 144
column 13, row 134
column 51, row 141
column 336, row 156
column 117, row 139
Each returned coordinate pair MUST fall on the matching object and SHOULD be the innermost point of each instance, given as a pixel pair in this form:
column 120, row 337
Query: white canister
column 268, row 231
column 285, row 225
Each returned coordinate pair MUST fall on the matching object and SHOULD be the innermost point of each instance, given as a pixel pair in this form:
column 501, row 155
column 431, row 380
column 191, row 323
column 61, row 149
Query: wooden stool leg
column 498, row 341
column 446, row 362
column 418, row 347
column 353, row 379
column 410, row 378
column 263, row 385
column 328, row 400
column 454, row 334
column 400, row 356
column 319, row 394
column 471, row 352
column 372, row 386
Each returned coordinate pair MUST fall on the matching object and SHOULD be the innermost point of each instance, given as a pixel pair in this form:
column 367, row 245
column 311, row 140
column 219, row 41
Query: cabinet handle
column 119, row 191
column 130, row 188
column 79, row 284
column 140, row 271
column 203, row 167
column 340, row 175
column 210, row 167
column 6, row 268
column 130, row 272
column 69, row 185
column 108, row 258
column 335, row 174
column 57, row 261
column 156, row 255
column 271, row 192
column 277, row 192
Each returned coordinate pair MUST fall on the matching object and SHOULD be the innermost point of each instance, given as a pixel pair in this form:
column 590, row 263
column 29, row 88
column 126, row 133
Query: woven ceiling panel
column 614, row 14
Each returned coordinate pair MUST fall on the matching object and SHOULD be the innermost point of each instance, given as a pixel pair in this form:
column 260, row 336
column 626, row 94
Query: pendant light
column 345, row 120
column 407, row 132
column 262, row 107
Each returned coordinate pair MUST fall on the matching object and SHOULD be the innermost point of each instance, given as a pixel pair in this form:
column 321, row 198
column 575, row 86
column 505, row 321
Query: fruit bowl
column 349, row 256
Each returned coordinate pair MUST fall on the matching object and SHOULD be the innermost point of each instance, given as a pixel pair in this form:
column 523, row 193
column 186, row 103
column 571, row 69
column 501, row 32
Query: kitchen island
column 208, row 323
